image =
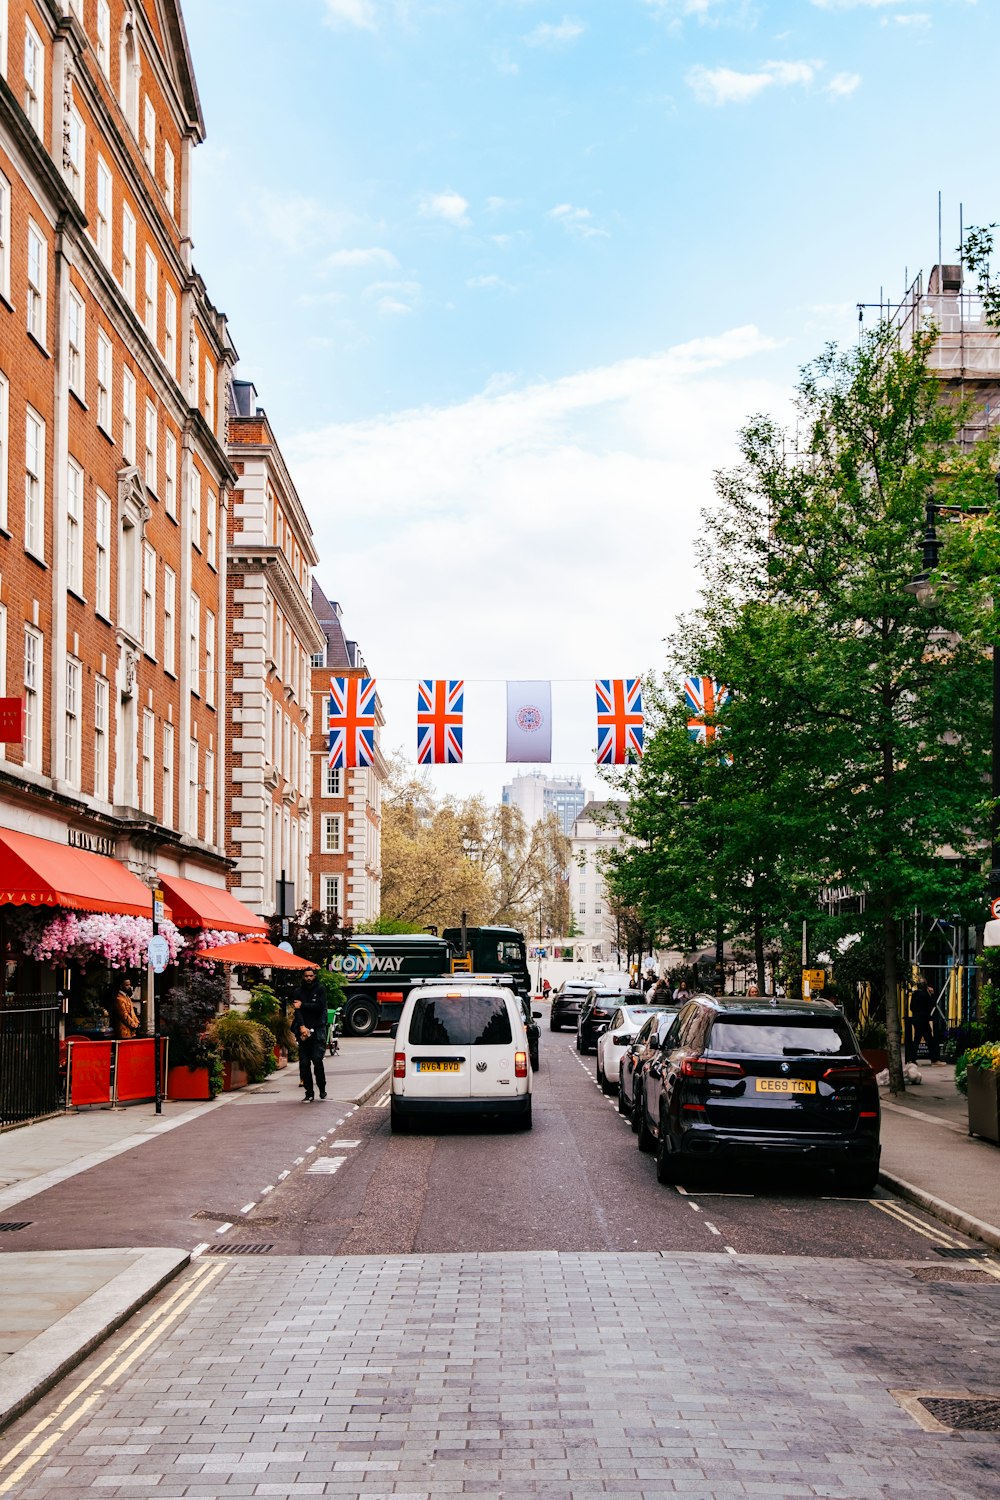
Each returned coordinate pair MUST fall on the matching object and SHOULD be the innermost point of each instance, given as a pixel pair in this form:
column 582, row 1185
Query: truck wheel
column 359, row 1018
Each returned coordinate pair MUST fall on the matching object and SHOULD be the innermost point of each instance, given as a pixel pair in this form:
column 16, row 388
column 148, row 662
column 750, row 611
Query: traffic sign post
column 159, row 953
column 995, row 908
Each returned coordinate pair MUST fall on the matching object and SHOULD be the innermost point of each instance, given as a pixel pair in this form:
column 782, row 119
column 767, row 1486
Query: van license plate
column 786, row 1086
column 438, row 1067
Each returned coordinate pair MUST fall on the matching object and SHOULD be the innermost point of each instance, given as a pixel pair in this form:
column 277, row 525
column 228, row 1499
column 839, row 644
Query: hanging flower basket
column 121, row 942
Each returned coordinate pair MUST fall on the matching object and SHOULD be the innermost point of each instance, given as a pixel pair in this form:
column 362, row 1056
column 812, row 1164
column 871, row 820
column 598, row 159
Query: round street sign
column 159, row 953
column 995, row 908
column 285, row 947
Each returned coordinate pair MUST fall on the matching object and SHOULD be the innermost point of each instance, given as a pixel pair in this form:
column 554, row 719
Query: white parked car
column 461, row 1048
column 625, row 1024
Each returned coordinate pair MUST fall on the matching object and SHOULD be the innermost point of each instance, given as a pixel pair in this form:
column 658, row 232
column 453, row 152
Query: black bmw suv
column 754, row 1081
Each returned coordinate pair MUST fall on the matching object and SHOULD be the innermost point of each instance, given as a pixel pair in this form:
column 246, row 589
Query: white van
column 461, row 1048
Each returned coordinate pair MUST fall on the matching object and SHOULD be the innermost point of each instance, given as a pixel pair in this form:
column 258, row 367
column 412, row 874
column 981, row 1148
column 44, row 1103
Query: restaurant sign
column 94, row 843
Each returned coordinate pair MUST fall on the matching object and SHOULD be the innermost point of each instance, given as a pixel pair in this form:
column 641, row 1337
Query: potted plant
column 240, row 1047
column 186, row 1008
column 983, row 1084
column 265, row 1009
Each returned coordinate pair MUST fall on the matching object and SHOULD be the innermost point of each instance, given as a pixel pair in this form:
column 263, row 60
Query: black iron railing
column 29, row 1057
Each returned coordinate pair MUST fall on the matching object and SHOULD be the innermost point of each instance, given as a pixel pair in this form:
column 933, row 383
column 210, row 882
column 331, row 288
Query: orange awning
column 195, row 904
column 256, row 953
column 38, row 872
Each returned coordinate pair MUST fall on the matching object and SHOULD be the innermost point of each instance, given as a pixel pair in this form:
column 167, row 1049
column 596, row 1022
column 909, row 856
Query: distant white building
column 595, row 833
column 536, row 796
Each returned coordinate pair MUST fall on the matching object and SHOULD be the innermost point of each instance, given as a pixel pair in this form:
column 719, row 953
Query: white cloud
column 350, row 260
column 918, row 19
column 705, row 12
column 730, row 86
column 359, row 13
column 393, row 299
column 853, row 4
column 605, row 469
column 555, row 34
column 577, row 221
column 449, row 206
column 842, row 85
column 489, row 283
column 296, row 222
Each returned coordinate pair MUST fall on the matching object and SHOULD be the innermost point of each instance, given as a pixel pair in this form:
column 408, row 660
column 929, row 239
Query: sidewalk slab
column 56, row 1306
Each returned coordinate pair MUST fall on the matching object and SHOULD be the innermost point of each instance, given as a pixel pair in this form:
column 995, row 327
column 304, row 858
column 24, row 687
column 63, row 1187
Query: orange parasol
column 255, row 953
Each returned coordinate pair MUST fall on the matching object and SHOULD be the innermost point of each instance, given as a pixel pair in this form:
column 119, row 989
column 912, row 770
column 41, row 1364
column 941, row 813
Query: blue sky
column 509, row 274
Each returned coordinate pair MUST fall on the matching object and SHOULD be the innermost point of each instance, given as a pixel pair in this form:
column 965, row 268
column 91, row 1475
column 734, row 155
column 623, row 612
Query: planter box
column 984, row 1103
column 235, row 1077
column 877, row 1058
column 281, row 1057
column 188, row 1083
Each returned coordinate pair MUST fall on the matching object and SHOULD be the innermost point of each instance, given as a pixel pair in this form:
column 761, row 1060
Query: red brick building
column 114, row 478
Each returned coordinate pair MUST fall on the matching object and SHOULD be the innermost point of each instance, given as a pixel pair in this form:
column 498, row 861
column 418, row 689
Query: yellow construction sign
column 813, row 981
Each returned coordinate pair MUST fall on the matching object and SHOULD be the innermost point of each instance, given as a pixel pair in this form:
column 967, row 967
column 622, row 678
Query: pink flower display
column 121, row 942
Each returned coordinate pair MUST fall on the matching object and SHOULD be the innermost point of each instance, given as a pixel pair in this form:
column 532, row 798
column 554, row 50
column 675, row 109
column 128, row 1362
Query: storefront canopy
column 197, row 905
column 38, row 872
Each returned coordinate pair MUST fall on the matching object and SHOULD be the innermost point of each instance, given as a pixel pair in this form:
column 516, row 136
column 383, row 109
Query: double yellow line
column 87, row 1392
column 930, row 1232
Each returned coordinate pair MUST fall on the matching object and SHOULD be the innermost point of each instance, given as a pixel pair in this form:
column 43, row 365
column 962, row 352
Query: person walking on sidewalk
column 922, row 1027
column 309, row 1026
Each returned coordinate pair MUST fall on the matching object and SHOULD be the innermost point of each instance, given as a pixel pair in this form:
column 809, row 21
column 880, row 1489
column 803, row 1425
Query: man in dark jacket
column 308, row 1022
column 922, row 1006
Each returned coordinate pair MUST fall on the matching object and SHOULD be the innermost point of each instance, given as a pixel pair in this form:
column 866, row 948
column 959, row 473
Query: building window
column 77, row 345
column 103, row 210
column 209, row 387
column 333, row 840
column 4, row 447
column 168, row 178
column 74, row 528
column 332, row 902
column 101, row 738
column 148, row 599
column 4, row 236
column 34, row 483
column 170, row 330
column 167, row 804
column 149, row 134
column 598, row 911
column 32, row 744
column 209, row 658
column 169, row 620
column 102, row 554
column 129, row 80
column 151, row 447
column 334, row 781
column 71, row 736
column 192, row 788
column 211, row 523
column 37, row 279
column 209, row 797
column 194, row 642
column 194, row 501
column 128, row 254
column 76, row 154
column 149, row 309
column 34, row 77
column 148, row 734
column 128, row 416
column 129, row 580
column 104, row 381
column 170, row 474
column 104, row 37
column 318, row 659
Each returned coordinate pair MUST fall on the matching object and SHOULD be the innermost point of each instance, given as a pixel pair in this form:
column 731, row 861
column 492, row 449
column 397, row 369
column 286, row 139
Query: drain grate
column 239, row 1249
column 952, row 1273
column 965, row 1413
column 12, row 1226
column 959, row 1252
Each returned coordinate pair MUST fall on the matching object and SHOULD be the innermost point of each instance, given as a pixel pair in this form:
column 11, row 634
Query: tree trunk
column 758, row 951
column 897, row 1083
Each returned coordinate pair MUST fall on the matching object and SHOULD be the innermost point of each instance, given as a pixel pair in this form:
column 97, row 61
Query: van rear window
column 460, row 1021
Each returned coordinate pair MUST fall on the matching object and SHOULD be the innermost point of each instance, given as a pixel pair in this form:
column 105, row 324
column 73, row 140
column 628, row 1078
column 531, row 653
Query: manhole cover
column 952, row 1273
column 966, row 1413
column 13, row 1226
column 959, row 1252
column 239, row 1249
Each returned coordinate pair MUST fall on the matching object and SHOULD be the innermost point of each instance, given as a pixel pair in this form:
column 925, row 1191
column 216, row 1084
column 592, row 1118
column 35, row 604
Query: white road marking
column 310, row 1148
column 712, row 1229
column 729, row 1250
column 199, row 1249
column 247, row 1207
column 694, row 1206
column 326, row 1164
column 682, row 1191
column 222, row 1228
column 283, row 1175
column 298, row 1161
column 268, row 1189
column 345, row 1145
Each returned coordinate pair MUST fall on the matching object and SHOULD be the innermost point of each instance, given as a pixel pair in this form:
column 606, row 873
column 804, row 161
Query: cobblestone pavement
column 535, row 1374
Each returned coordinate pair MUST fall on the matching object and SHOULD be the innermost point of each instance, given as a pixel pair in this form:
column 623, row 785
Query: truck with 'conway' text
column 379, row 968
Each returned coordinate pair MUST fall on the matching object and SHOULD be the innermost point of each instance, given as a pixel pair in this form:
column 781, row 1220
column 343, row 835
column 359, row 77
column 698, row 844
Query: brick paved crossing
column 544, row 1374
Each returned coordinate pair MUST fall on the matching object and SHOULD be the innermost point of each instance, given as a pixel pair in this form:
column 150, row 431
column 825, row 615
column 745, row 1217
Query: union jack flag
column 705, row 697
column 440, row 713
column 620, row 720
column 352, row 722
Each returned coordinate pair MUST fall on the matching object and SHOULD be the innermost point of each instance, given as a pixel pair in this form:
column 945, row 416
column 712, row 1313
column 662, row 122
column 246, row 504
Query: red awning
column 38, row 872
column 197, row 905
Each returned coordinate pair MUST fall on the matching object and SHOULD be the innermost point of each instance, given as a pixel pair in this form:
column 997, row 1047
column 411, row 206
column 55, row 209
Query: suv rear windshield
column 791, row 1036
column 460, row 1021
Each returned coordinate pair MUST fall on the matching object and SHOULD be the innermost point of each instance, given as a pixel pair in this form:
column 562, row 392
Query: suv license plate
column 438, row 1067
column 785, row 1086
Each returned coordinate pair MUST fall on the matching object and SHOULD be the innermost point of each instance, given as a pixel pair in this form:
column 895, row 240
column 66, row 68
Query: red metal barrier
column 134, row 1069
column 88, row 1072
